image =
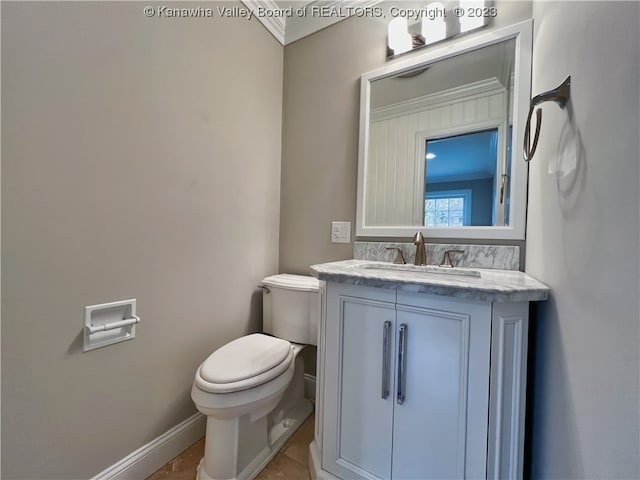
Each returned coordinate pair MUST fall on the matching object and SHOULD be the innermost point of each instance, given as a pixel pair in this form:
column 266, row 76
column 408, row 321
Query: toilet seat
column 244, row 363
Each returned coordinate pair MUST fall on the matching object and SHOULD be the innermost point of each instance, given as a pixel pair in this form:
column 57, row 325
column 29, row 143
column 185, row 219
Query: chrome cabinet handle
column 386, row 358
column 402, row 363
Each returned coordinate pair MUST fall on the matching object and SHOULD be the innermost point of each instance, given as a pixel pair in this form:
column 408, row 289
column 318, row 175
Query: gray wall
column 320, row 132
column 320, row 138
column 141, row 158
column 582, row 240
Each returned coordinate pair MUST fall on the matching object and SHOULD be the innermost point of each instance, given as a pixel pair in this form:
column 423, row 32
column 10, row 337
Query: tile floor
column 291, row 463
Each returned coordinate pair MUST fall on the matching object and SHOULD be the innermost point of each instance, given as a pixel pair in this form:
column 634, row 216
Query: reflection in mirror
column 440, row 142
column 461, row 172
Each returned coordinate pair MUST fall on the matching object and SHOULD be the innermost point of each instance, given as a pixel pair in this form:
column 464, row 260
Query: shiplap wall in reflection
column 395, row 166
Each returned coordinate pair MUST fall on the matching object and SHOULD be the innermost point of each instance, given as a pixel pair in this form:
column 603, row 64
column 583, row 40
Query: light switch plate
column 340, row 232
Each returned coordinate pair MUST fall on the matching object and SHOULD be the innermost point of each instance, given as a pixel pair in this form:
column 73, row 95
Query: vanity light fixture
column 435, row 22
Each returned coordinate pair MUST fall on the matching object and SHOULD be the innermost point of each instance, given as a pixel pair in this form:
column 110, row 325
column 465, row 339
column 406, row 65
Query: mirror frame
column 523, row 34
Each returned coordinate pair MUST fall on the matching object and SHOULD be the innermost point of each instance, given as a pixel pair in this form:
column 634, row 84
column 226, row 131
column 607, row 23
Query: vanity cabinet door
column 358, row 412
column 442, row 403
column 440, row 418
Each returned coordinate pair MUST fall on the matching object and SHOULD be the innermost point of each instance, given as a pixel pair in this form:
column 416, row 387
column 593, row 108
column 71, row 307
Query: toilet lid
column 244, row 358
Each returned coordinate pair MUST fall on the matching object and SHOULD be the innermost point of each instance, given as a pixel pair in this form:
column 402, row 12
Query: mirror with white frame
column 441, row 141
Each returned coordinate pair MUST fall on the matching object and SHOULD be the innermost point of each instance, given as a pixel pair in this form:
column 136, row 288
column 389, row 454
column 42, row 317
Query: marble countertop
column 492, row 285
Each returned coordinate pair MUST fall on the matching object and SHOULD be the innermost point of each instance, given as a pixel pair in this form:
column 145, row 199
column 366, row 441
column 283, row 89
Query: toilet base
column 285, row 428
column 241, row 444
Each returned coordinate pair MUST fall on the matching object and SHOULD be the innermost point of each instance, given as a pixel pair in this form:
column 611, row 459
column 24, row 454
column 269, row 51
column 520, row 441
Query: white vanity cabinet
column 418, row 386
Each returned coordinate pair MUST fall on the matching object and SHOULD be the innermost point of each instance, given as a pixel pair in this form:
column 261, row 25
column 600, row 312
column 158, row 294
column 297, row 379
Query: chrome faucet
column 421, row 253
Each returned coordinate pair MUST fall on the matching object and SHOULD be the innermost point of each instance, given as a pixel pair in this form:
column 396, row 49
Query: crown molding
column 300, row 27
column 275, row 25
column 482, row 88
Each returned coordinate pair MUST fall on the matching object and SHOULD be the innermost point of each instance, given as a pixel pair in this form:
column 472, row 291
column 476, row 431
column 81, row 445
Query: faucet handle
column 446, row 258
column 399, row 257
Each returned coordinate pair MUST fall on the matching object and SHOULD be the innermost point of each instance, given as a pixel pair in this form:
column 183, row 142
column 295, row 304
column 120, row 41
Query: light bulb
column 434, row 27
column 468, row 22
column 399, row 39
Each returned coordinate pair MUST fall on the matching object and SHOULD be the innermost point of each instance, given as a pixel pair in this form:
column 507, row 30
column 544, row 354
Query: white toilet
column 252, row 389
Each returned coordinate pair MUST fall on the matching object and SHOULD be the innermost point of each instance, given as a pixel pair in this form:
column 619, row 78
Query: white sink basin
column 422, row 269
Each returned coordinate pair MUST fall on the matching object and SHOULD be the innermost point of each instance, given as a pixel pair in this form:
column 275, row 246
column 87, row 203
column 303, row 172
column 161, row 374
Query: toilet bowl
column 252, row 388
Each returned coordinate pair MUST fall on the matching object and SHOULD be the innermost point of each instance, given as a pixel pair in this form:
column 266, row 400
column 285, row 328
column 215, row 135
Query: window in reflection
column 448, row 208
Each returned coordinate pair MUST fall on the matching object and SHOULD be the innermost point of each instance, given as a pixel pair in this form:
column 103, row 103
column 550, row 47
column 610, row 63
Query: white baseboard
column 150, row 457
column 310, row 386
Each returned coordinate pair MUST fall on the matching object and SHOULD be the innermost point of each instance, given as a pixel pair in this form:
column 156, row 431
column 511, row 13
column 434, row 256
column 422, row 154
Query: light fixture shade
column 399, row 39
column 468, row 22
column 434, row 27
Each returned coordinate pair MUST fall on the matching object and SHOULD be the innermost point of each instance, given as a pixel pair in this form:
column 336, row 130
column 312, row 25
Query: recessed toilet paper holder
column 109, row 323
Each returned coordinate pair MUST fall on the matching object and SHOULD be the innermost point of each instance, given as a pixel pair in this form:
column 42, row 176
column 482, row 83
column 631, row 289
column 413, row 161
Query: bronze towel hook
column 559, row 95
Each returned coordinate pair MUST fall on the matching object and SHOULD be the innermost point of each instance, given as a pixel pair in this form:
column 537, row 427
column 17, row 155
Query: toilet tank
column 291, row 307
